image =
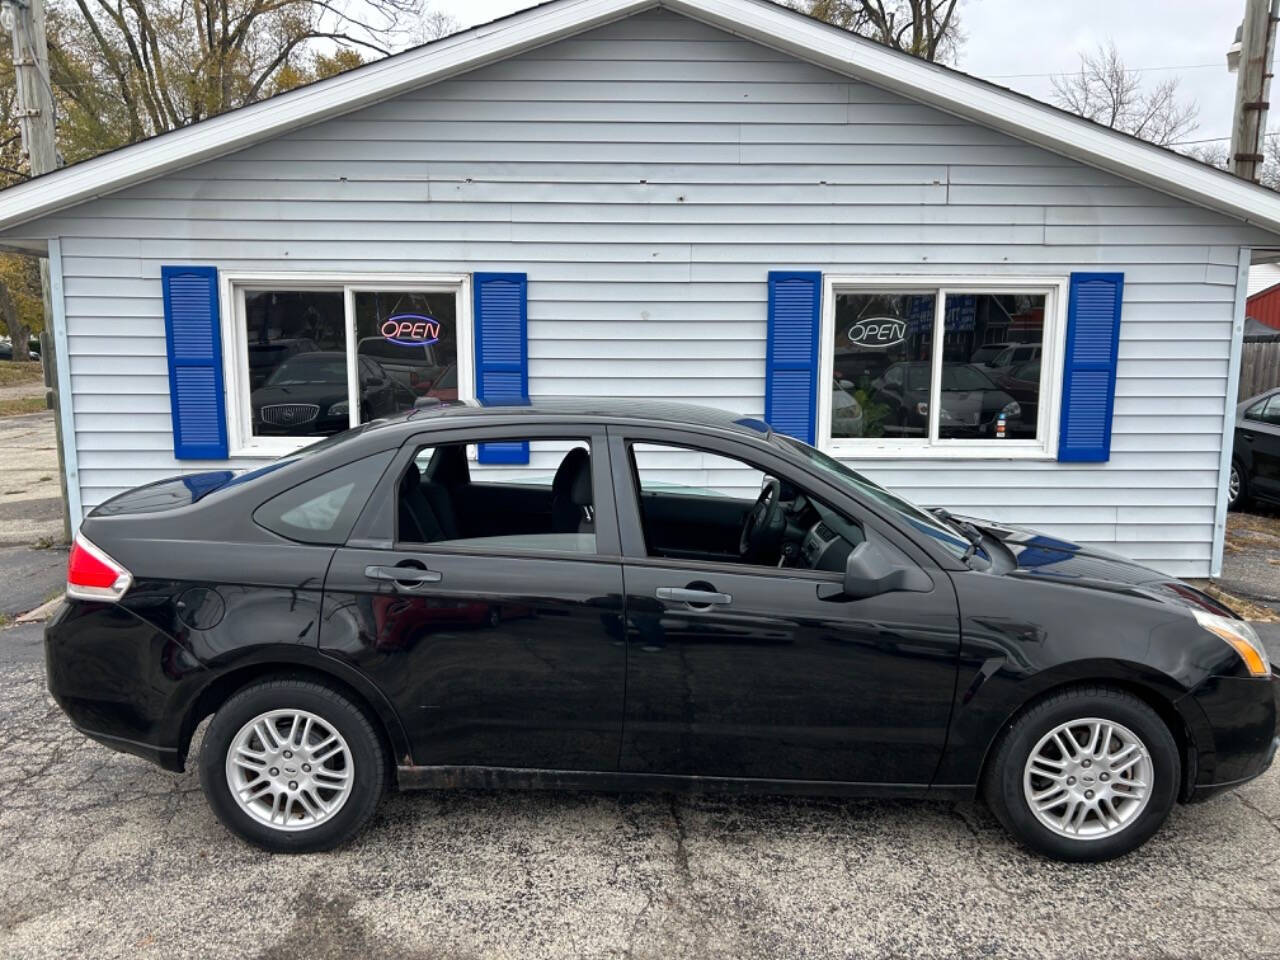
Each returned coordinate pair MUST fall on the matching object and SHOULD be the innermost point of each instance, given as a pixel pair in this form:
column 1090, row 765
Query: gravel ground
column 1251, row 560
column 106, row 856
column 30, row 497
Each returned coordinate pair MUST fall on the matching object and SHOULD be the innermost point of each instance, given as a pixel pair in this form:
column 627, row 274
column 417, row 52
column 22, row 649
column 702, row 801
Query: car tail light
column 92, row 575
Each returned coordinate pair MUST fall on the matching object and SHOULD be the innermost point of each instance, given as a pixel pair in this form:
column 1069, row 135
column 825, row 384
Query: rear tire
column 292, row 766
column 1097, row 800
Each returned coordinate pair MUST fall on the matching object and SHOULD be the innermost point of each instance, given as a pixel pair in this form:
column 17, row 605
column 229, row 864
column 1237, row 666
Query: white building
column 718, row 201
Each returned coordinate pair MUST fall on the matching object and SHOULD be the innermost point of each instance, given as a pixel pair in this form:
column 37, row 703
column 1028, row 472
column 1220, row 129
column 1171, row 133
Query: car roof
column 546, row 409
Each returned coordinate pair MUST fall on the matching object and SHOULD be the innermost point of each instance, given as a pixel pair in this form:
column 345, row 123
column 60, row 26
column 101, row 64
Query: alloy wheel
column 1087, row 779
column 1233, row 485
column 289, row 769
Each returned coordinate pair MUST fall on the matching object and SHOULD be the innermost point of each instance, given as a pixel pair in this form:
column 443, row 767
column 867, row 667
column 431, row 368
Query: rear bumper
column 119, row 679
column 167, row 757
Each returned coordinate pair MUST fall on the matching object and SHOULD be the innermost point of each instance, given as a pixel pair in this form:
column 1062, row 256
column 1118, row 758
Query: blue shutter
column 502, row 352
column 791, row 358
column 193, row 330
column 1089, row 372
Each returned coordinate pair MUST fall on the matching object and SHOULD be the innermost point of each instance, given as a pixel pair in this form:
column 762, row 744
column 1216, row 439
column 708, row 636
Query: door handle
column 697, row 598
column 407, row 577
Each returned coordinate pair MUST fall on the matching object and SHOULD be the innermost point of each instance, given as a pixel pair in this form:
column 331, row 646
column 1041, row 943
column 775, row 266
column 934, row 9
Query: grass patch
column 15, row 374
column 17, row 406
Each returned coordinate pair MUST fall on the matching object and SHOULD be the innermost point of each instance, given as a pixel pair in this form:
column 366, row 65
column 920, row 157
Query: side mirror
column 870, row 572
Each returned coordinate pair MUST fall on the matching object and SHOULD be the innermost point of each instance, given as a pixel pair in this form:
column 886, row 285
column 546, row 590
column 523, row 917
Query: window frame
column 1052, row 353
column 235, row 348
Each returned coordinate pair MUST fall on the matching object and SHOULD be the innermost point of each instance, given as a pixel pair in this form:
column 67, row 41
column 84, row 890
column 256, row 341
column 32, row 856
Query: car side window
column 445, row 498
column 699, row 505
column 1271, row 412
column 323, row 509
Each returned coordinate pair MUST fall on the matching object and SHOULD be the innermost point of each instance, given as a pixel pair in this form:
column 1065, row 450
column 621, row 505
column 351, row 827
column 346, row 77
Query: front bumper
column 1239, row 739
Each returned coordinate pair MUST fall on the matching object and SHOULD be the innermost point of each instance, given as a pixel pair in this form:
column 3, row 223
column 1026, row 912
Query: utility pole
column 24, row 19
column 1253, row 87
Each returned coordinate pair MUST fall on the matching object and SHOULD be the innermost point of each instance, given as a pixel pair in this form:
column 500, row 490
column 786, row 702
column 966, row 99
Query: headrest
column 449, row 465
column 573, row 478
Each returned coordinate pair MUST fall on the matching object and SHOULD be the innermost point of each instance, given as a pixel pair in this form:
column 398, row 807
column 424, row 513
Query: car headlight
column 340, row 409
column 1011, row 409
column 1242, row 638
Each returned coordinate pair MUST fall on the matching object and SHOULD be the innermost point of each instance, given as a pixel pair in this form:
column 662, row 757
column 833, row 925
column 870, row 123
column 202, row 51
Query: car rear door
column 744, row 671
column 506, row 653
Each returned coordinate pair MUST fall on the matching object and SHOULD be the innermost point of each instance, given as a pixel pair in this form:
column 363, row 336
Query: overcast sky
column 1020, row 37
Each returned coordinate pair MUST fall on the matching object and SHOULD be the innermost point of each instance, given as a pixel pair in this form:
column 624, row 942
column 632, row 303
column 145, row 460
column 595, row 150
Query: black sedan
column 664, row 597
column 1255, row 457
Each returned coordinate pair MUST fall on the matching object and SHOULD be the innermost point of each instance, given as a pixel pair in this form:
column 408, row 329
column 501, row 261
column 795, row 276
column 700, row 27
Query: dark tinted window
column 972, row 406
column 324, row 508
column 876, row 333
column 411, row 338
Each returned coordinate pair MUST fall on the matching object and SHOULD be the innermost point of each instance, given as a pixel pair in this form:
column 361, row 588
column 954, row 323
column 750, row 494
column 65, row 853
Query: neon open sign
column 878, row 332
column 410, row 330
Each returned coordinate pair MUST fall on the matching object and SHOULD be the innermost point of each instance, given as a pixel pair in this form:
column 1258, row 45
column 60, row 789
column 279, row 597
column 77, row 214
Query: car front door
column 1259, row 433
column 751, row 671
column 498, row 650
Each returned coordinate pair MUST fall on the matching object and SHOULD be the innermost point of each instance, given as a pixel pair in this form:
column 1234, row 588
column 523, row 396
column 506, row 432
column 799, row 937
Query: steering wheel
column 764, row 525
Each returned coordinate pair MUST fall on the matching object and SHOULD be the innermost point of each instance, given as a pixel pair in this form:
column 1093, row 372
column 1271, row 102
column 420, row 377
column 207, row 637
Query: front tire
column 1086, row 774
column 1237, row 487
column 292, row 766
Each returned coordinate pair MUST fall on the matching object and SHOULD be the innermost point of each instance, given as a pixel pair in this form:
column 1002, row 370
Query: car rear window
column 324, row 509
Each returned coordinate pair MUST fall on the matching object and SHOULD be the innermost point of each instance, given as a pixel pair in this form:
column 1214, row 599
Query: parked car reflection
column 1022, row 382
column 307, row 396
column 971, row 403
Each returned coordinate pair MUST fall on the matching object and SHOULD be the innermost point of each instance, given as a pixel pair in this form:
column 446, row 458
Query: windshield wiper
column 967, row 529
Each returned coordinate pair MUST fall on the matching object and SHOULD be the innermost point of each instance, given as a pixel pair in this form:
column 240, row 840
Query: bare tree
column 147, row 66
column 1106, row 92
column 1218, row 154
column 929, row 29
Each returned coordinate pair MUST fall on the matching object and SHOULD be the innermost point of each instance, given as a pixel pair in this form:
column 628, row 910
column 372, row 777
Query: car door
column 1259, row 433
column 497, row 651
column 743, row 671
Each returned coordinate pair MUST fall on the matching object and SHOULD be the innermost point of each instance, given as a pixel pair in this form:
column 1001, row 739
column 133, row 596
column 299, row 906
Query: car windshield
column 983, row 354
column 906, row 512
column 309, row 368
column 955, row 376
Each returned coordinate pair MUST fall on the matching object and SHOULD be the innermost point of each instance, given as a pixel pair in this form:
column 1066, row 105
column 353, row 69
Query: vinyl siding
column 647, row 175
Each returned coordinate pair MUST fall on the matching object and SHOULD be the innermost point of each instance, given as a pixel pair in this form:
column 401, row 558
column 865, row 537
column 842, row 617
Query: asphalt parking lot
column 106, row 856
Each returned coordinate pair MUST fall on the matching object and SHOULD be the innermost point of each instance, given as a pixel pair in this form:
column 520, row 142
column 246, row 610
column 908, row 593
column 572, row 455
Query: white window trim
column 1051, row 360
column 235, row 349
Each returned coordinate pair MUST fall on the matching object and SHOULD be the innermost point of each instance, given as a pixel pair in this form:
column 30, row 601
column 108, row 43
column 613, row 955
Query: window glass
column 982, row 397
column 407, row 342
column 1271, row 412
column 545, row 458
column 698, row 505
column 883, row 345
column 680, row 470
column 445, row 499
column 907, row 512
column 324, row 508
column 296, row 345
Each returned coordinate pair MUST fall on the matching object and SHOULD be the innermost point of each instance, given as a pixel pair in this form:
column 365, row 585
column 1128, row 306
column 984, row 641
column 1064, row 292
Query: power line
column 1058, row 73
column 1180, row 143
